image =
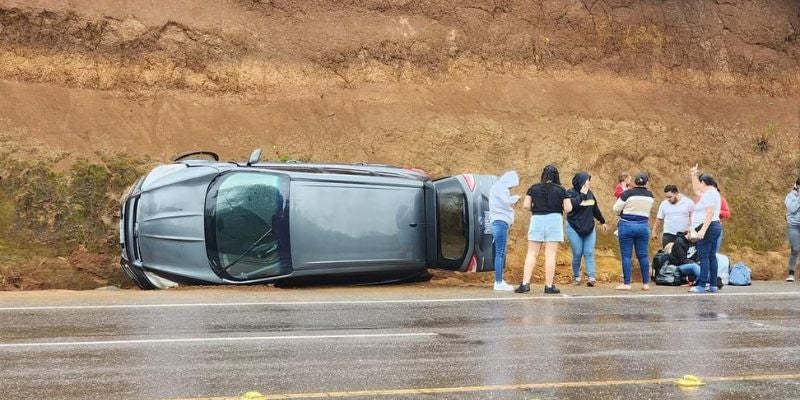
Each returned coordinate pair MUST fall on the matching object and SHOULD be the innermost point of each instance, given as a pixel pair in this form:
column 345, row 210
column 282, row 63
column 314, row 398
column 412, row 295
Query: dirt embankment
column 242, row 47
column 92, row 94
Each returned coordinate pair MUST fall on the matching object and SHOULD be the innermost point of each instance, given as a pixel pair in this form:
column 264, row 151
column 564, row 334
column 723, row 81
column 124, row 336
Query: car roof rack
column 363, row 169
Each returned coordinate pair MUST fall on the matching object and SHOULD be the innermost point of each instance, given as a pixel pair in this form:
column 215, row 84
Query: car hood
column 170, row 222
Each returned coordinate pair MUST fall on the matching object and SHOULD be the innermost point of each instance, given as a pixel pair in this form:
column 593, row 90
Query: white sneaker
column 502, row 286
column 790, row 278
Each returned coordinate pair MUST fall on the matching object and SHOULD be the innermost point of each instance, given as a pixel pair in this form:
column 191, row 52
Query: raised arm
column 695, row 179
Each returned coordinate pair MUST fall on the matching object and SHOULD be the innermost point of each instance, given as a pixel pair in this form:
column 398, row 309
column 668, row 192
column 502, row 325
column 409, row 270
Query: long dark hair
column 550, row 178
column 716, row 186
column 708, row 179
column 550, row 174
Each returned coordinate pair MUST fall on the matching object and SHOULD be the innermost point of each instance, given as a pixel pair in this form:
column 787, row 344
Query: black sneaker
column 590, row 284
column 523, row 288
column 551, row 289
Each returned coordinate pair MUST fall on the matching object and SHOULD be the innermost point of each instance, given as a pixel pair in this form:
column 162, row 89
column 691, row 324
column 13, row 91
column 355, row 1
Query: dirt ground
column 94, row 93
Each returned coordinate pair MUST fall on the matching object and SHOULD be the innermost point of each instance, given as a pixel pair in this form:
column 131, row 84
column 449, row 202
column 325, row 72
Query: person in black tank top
column 548, row 201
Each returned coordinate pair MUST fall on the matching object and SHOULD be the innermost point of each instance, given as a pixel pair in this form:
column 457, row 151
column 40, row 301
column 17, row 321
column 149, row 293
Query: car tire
column 138, row 277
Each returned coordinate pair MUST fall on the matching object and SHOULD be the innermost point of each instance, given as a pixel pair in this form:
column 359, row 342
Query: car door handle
column 413, row 224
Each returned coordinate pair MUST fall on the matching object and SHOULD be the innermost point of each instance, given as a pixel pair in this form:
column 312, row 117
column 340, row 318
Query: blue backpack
column 739, row 275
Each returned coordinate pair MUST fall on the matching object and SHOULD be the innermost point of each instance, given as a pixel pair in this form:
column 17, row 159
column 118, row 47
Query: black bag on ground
column 659, row 261
column 668, row 275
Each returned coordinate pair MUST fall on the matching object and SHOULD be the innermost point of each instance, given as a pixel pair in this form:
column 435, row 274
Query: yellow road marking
column 496, row 388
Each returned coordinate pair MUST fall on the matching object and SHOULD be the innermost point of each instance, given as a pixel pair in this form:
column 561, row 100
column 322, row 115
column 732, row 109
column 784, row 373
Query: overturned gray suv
column 202, row 221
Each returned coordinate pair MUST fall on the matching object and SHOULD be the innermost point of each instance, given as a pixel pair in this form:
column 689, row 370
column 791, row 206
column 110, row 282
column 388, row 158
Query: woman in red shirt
column 724, row 215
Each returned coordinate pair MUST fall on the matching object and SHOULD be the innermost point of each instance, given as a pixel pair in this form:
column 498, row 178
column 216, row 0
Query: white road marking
column 406, row 301
column 220, row 339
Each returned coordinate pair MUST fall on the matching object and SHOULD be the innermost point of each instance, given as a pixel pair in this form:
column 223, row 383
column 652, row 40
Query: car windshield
column 247, row 235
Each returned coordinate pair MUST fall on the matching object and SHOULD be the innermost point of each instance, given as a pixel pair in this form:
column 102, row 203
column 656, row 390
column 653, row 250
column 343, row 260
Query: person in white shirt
column 674, row 213
column 705, row 221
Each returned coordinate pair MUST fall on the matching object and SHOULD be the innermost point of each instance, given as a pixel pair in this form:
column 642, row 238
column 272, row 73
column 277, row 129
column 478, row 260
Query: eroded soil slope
column 93, row 94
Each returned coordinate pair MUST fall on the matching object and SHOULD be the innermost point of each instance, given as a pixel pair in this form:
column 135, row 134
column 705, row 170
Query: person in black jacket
column 683, row 254
column 580, row 226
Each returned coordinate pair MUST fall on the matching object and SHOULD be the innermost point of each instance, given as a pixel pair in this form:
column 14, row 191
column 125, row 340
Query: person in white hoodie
column 793, row 220
column 501, row 213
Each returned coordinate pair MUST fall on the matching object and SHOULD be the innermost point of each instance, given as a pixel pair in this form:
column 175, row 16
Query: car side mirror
column 254, row 157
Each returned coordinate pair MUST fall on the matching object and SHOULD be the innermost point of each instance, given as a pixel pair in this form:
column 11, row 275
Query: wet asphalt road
column 222, row 343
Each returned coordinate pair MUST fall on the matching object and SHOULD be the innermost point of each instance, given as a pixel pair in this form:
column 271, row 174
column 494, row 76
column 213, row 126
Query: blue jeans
column 690, row 269
column 719, row 241
column 582, row 247
column 707, row 250
column 500, row 234
column 634, row 235
column 793, row 232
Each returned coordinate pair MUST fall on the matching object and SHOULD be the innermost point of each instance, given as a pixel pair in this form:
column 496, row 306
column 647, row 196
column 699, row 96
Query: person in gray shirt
column 793, row 227
column 675, row 213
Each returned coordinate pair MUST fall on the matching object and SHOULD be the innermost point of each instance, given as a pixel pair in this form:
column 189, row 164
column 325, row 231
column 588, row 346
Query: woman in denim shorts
column 548, row 201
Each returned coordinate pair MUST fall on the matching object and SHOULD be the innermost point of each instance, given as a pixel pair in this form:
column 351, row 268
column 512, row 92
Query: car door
column 459, row 237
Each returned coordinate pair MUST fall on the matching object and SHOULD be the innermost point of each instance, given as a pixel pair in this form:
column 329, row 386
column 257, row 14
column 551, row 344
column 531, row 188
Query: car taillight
column 417, row 170
column 473, row 264
column 470, row 182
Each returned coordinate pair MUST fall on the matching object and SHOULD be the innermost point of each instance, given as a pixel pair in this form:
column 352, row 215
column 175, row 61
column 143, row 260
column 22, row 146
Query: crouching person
column 683, row 254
